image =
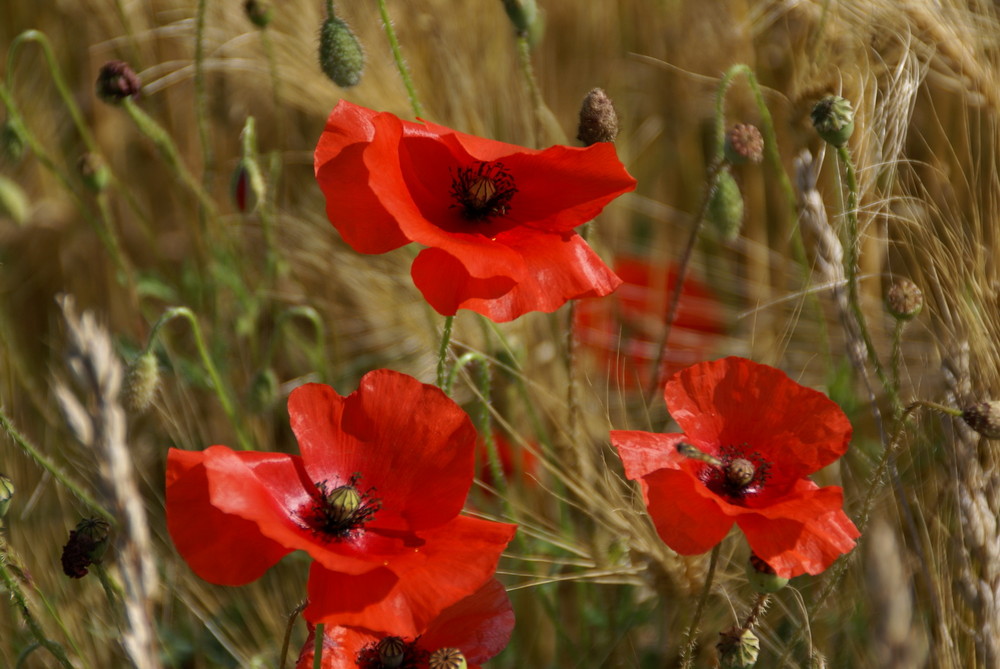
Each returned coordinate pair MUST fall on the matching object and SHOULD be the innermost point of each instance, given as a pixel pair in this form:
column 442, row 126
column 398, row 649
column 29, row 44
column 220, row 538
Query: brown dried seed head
column 598, row 119
column 744, row 144
column 904, row 299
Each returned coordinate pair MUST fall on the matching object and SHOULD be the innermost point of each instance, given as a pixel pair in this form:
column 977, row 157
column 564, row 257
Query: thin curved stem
column 687, row 654
column 19, row 601
column 397, row 56
column 442, row 366
column 286, row 640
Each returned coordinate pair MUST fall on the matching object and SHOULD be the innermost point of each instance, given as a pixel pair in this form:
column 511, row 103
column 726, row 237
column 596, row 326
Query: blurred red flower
column 374, row 499
column 766, row 434
column 479, row 626
column 624, row 330
column 497, row 219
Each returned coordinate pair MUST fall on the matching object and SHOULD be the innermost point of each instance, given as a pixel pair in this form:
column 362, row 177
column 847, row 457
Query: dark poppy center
column 391, row 652
column 341, row 512
column 483, row 190
column 740, row 473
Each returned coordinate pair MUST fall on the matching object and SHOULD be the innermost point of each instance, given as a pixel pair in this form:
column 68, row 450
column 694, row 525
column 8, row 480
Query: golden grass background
column 592, row 586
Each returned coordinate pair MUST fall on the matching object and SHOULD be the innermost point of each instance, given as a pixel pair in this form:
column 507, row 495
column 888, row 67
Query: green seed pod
column 984, row 418
column 6, row 494
column 737, row 649
column 904, row 300
column 762, row 578
column 833, row 118
column 342, row 503
column 142, row 379
column 340, row 53
column 13, row 202
column 522, row 13
column 725, row 207
column 447, row 658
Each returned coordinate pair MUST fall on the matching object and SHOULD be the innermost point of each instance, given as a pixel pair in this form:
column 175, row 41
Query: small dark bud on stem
column 598, row 119
column 117, row 81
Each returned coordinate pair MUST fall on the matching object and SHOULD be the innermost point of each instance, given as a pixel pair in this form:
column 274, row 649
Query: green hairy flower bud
column 833, row 118
column 340, row 53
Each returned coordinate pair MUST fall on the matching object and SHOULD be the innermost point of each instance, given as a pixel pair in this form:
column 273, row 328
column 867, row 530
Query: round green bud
column 833, row 118
column 340, row 53
column 762, row 577
column 142, row 378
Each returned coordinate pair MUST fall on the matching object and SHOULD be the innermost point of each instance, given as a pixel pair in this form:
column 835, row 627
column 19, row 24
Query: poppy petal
column 479, row 625
column 408, row 440
column 450, row 281
column 455, row 560
column 220, row 547
column 644, row 452
column 687, row 520
column 803, row 534
column 736, row 401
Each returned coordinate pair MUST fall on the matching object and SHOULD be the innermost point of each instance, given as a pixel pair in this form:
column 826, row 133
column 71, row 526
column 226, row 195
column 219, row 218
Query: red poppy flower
column 497, row 219
column 479, row 626
column 374, row 499
column 624, row 330
column 764, row 434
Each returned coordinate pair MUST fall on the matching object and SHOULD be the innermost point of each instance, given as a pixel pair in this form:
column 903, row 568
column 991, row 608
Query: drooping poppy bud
column 984, row 418
column 833, row 118
column 725, row 207
column 904, row 300
column 260, row 12
column 86, row 546
column 598, row 119
column 743, row 144
column 142, row 378
column 117, row 81
column 340, row 53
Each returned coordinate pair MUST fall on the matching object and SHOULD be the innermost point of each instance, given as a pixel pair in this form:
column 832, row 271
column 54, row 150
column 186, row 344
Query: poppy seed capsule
column 904, row 300
column 391, row 650
column 340, row 53
column 522, row 13
column 447, row 658
column 117, row 81
column 725, row 207
column 984, row 418
column 342, row 503
column 142, row 378
column 762, row 577
column 833, row 118
column 740, row 472
column 598, row 119
column 743, row 144
column 737, row 648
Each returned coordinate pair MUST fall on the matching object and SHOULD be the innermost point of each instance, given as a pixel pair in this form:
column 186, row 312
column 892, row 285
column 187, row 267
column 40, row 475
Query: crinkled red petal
column 801, row 534
column 408, row 440
column 687, row 516
column 452, row 563
column 545, row 270
column 220, row 547
column 734, row 401
column 479, row 625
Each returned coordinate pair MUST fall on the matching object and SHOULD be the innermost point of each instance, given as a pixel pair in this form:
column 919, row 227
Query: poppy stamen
column 342, row 512
column 735, row 474
column 483, row 191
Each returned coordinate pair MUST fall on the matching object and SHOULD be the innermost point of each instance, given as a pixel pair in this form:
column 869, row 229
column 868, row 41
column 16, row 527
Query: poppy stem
column 685, row 260
column 442, row 367
column 318, row 647
column 286, row 641
column 397, row 55
column 687, row 654
column 19, row 602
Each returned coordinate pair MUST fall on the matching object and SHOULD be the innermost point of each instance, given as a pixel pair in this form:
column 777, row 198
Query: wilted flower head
column 86, row 546
column 117, row 81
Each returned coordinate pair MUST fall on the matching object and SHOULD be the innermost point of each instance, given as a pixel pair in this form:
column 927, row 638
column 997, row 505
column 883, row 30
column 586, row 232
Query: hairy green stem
column 685, row 261
column 397, row 56
column 57, row 473
column 442, row 366
column 19, row 602
column 687, row 653
column 286, row 640
column 220, row 389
